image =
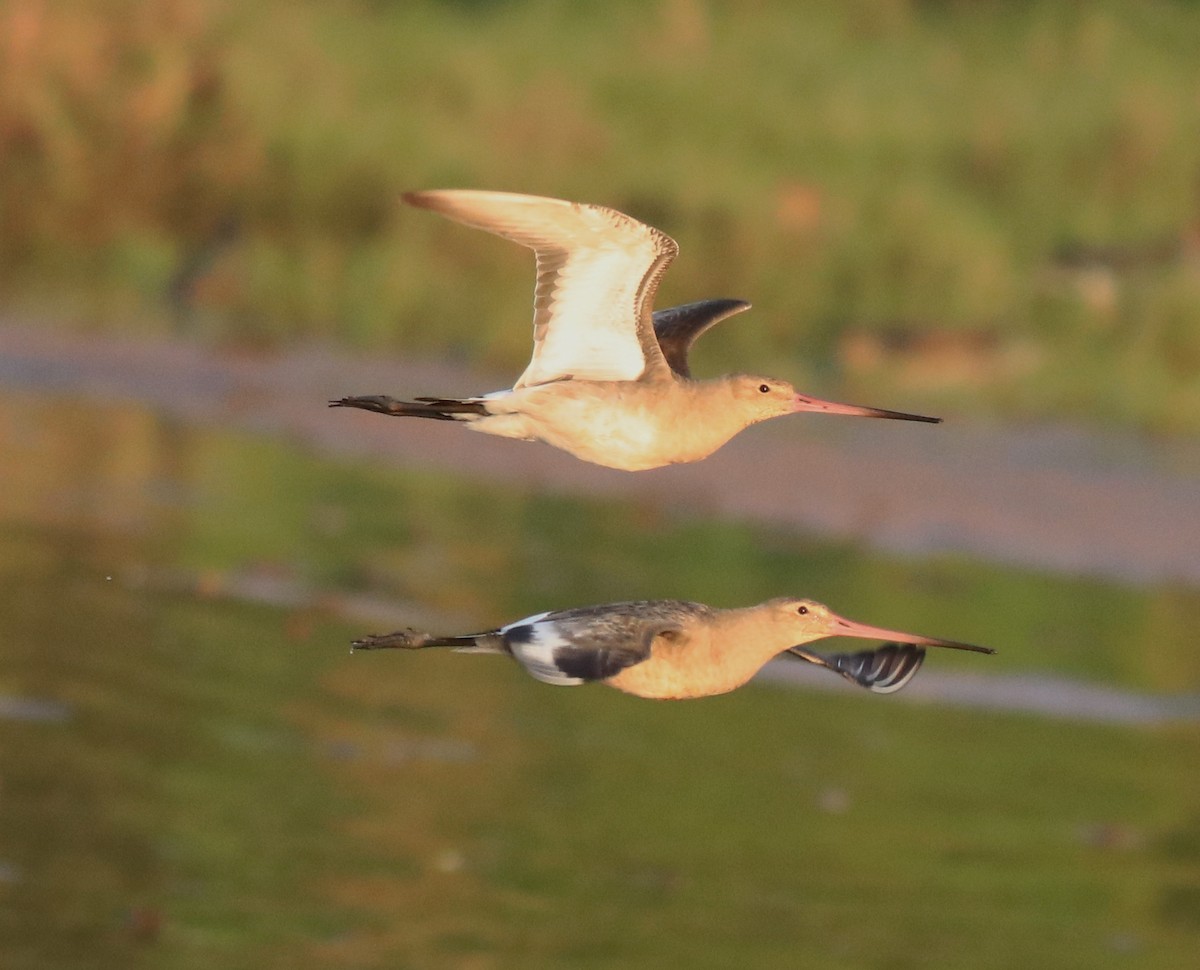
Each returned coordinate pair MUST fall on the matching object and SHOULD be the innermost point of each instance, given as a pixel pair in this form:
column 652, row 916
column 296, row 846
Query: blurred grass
column 975, row 206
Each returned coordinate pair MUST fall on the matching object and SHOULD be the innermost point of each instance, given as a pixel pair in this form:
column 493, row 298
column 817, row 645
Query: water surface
column 194, row 771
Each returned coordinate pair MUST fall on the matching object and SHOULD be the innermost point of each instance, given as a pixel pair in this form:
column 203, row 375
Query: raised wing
column 678, row 327
column 883, row 670
column 597, row 273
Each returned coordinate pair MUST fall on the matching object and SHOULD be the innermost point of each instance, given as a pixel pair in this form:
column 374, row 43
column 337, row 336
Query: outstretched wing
column 593, row 643
column 678, row 327
column 597, row 273
column 883, row 670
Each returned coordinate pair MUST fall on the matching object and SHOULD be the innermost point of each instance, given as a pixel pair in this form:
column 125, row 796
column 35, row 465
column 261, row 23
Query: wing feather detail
column 597, row 274
column 883, row 670
column 594, row 643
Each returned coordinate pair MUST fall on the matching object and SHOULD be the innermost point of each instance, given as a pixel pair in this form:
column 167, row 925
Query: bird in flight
column 609, row 380
column 674, row 649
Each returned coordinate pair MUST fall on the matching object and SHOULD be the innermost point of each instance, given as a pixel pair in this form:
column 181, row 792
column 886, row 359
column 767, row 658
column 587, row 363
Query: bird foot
column 406, row 639
column 380, row 403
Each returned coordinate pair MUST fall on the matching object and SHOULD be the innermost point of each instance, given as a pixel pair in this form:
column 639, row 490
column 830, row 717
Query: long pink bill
column 803, row 403
column 848, row 628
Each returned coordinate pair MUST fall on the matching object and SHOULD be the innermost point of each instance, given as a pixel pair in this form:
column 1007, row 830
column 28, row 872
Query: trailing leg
column 440, row 409
column 411, row 639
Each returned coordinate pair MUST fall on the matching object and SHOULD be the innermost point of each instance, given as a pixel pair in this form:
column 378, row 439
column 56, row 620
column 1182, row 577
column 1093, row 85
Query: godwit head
column 770, row 397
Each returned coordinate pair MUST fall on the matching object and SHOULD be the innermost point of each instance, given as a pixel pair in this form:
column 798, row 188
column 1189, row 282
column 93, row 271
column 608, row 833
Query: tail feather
column 883, row 670
column 437, row 408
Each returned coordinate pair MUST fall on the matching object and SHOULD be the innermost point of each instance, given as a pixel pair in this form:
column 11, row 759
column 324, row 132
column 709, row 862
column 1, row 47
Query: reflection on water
column 189, row 779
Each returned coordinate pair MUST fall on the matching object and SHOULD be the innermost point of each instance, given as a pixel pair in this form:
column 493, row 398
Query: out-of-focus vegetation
column 976, row 205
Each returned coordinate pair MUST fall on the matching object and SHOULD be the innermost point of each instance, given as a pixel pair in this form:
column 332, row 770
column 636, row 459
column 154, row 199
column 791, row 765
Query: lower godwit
column 674, row 649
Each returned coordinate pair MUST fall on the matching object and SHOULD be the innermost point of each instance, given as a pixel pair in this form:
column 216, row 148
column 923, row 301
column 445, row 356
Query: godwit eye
column 801, row 610
column 764, row 388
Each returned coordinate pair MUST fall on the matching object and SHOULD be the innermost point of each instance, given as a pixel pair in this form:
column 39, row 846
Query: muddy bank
column 1048, row 498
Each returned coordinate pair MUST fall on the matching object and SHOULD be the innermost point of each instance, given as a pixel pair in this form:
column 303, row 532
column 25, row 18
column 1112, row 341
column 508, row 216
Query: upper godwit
column 601, row 385
column 675, row 649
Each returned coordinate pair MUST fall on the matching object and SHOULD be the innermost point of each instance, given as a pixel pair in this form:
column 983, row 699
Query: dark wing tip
column 677, row 328
column 883, row 670
column 436, row 200
column 418, row 197
column 691, row 319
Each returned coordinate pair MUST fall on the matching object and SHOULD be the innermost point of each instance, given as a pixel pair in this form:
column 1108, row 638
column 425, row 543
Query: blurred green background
column 992, row 205
column 983, row 208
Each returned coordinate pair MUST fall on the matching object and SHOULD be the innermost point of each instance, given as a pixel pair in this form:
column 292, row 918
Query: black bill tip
column 955, row 645
column 902, row 416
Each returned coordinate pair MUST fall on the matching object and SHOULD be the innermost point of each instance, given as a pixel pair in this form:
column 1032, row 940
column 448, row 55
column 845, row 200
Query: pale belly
column 627, row 430
column 632, row 441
